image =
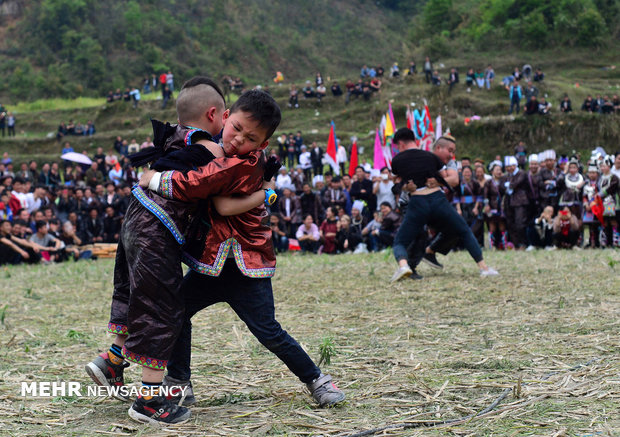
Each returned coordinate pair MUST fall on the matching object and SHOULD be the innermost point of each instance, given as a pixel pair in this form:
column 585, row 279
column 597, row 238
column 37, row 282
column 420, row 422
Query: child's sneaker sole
column 99, row 378
column 138, row 417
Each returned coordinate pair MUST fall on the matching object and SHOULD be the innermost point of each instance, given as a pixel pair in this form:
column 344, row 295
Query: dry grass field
column 539, row 344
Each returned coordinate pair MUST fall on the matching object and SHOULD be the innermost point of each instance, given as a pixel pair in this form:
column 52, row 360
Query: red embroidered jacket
column 247, row 235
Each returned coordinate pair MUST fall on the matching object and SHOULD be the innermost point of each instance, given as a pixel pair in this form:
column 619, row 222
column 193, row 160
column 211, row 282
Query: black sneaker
column 416, row 276
column 431, row 260
column 106, row 374
column 158, row 411
column 180, row 392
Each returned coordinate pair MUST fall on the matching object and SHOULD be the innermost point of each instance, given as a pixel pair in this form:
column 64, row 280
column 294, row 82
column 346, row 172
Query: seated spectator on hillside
column 372, row 72
column 517, row 74
column 61, row 131
column 50, row 244
column 321, row 92
column 479, row 79
column 93, row 175
column 543, row 106
column 380, row 71
column 147, row 143
column 598, row 104
column 539, row 76
column 110, row 97
column 127, row 95
column 308, row 235
column 357, row 90
column 565, row 105
column 394, row 70
column 90, row 129
column 308, row 90
column 565, row 229
column 435, row 78
column 588, row 104
column 616, row 102
column 366, row 91
column 375, row 85
column 336, row 91
column 66, row 148
column 118, row 95
column 364, row 72
column 412, row 70
column 278, row 234
column 608, row 106
column 133, row 147
column 531, row 107
column 293, row 99
column 79, row 129
column 470, row 78
column 347, row 236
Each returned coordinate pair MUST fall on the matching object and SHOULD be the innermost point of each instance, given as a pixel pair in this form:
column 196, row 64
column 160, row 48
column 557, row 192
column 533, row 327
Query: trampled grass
column 407, row 355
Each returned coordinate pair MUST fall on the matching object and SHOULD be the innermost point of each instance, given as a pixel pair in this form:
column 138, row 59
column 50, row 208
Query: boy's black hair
column 403, row 134
column 261, row 107
column 41, row 224
column 203, row 80
column 386, row 204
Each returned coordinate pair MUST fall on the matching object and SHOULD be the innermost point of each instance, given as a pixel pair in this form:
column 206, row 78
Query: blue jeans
column 252, row 300
column 435, row 209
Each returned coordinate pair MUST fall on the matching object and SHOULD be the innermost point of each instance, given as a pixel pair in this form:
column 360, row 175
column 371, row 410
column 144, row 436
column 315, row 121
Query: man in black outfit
column 316, row 157
column 361, row 189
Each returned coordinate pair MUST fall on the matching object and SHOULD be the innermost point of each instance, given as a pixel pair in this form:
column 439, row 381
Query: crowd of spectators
column 163, row 82
column 75, row 129
column 522, row 202
column 50, row 213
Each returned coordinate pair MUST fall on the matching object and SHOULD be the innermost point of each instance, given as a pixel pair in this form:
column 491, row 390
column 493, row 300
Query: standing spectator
column 308, row 235
column 530, row 91
column 565, row 105
column 311, row 203
column 2, row 120
column 362, row 189
column 135, row 95
column 468, row 201
column 428, row 69
column 516, row 201
column 328, row 231
column 382, row 188
column 316, row 157
column 453, row 79
column 305, row 161
column 10, row 122
column 170, row 80
column 133, row 147
column 290, row 210
column 335, row 196
column 341, row 157
column 147, row 143
column 166, row 95
column 278, row 234
column 489, row 76
column 515, row 95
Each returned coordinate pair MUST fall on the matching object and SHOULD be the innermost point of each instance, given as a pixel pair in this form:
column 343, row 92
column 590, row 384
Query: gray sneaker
column 181, row 392
column 400, row 273
column 325, row 392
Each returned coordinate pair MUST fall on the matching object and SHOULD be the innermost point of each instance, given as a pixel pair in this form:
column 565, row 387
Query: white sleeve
column 154, row 183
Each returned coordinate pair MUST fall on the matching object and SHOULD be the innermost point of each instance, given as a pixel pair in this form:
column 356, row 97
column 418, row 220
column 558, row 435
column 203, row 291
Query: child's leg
column 198, row 292
column 252, row 300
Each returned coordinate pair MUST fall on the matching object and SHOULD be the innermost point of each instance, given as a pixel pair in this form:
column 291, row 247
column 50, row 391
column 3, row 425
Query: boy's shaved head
column 196, row 96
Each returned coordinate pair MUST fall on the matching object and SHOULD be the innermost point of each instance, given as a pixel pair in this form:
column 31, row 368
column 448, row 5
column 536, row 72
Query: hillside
column 495, row 133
